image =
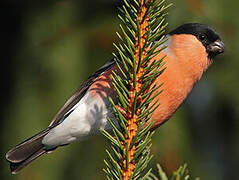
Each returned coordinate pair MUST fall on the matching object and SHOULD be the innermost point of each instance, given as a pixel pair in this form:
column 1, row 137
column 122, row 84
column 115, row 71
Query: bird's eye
column 202, row 37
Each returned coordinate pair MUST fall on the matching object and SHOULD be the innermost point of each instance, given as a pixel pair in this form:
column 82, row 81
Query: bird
column 190, row 50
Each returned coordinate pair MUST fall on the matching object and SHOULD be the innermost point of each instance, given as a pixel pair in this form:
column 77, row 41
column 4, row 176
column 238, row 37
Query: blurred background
column 48, row 48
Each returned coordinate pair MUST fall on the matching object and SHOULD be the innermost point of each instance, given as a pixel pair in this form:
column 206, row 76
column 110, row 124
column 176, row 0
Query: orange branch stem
column 132, row 124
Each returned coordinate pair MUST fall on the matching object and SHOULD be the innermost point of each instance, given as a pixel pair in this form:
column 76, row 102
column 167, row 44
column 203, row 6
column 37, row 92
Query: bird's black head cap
column 206, row 35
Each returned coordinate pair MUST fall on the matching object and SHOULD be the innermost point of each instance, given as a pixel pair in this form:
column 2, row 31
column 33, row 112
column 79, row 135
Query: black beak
column 216, row 47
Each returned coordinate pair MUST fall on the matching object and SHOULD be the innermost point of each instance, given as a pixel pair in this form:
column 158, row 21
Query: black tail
column 25, row 152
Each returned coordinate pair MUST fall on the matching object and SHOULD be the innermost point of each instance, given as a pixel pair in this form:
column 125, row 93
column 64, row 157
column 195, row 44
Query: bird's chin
column 211, row 57
column 209, row 62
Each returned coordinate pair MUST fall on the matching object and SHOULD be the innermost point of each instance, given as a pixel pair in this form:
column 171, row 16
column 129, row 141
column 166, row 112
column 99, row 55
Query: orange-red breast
column 190, row 50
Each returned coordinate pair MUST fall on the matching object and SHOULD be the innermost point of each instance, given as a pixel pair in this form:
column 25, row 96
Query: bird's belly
column 88, row 117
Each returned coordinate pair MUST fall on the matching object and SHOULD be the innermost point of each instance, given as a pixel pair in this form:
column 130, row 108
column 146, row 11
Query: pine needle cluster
column 142, row 33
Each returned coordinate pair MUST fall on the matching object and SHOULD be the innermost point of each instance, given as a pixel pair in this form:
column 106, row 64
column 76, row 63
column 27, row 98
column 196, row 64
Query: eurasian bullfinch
column 190, row 50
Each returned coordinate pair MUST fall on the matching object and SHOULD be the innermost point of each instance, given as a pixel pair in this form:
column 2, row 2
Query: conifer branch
column 134, row 83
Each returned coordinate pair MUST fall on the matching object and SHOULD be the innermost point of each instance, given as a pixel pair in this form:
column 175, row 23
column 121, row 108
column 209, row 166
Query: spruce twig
column 134, row 83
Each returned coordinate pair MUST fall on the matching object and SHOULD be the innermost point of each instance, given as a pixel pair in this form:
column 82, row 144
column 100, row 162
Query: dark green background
column 48, row 48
